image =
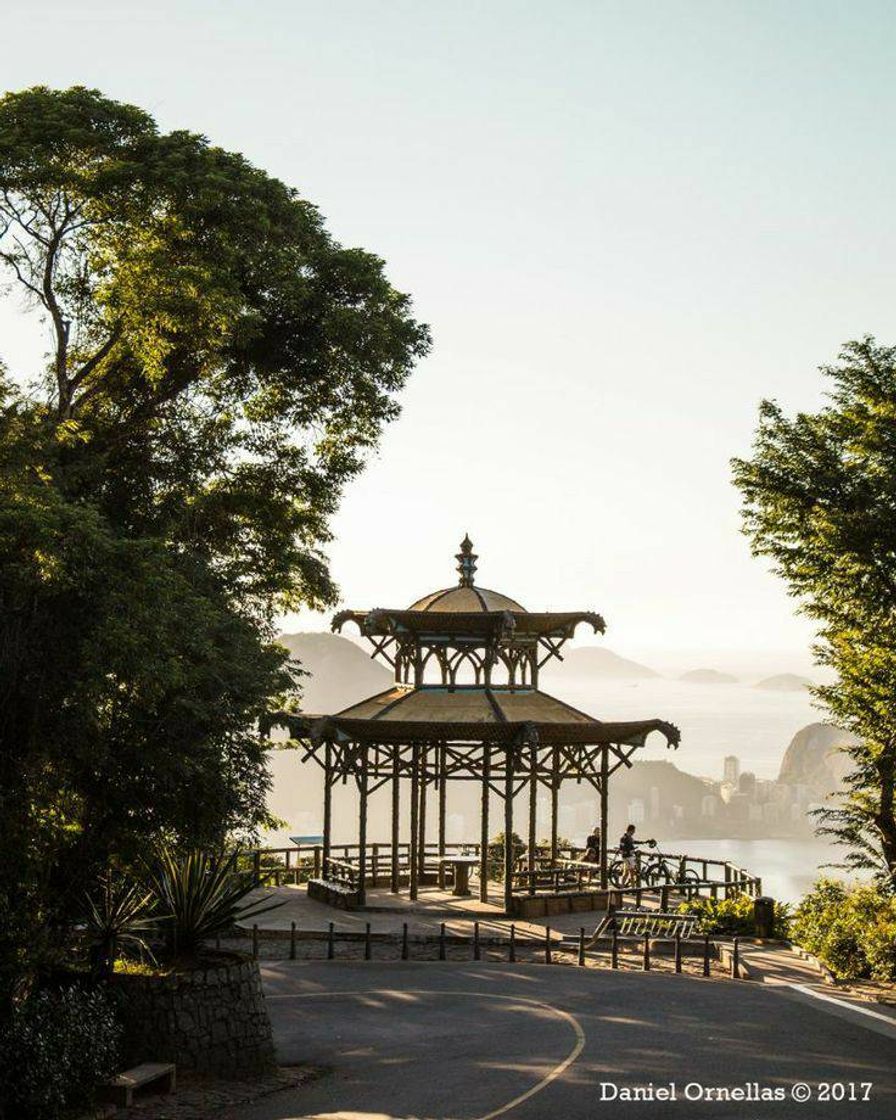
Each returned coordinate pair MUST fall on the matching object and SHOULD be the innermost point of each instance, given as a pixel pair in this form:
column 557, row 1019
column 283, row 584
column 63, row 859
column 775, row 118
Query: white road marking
column 556, row 1072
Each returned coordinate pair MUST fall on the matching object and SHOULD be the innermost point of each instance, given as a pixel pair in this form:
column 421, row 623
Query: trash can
column 764, row 916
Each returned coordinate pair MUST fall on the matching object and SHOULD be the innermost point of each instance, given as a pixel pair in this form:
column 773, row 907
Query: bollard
column 647, row 952
column 678, row 950
column 331, row 943
column 255, row 942
column 735, row 960
column 614, row 948
column 404, row 941
column 367, row 952
column 547, row 945
column 664, row 898
column 511, row 956
column 581, row 945
column 706, row 955
column 218, row 942
column 476, row 941
column 442, row 941
column 764, row 916
column 292, row 942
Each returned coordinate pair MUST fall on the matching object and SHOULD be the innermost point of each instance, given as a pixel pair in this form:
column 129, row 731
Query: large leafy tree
column 820, row 502
column 218, row 369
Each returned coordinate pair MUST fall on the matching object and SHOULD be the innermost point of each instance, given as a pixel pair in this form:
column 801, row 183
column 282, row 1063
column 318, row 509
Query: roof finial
column 466, row 562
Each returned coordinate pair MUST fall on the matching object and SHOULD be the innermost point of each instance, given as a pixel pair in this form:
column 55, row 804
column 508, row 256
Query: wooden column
column 555, row 794
column 362, row 828
column 415, row 805
column 396, row 809
column 483, row 824
column 421, row 864
column 328, row 808
column 443, row 804
column 532, row 862
column 508, row 831
column 604, row 789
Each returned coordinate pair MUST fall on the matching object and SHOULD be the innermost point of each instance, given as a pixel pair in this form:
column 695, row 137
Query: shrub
column 55, row 1051
column 119, row 918
column 733, row 915
column 200, row 895
column 851, row 929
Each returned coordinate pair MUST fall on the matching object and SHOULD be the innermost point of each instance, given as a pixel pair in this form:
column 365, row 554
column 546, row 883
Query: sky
column 626, row 223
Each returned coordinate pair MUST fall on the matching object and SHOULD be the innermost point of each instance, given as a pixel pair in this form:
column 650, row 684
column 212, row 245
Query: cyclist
column 627, row 844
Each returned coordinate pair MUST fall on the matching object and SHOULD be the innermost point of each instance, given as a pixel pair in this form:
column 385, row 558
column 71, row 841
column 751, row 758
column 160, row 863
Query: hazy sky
column 625, row 224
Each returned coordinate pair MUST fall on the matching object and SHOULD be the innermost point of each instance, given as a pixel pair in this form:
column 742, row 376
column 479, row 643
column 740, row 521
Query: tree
column 219, row 369
column 819, row 499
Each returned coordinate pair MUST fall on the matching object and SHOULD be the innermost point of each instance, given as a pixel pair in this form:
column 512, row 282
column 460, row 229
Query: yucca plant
column 119, row 915
column 201, row 895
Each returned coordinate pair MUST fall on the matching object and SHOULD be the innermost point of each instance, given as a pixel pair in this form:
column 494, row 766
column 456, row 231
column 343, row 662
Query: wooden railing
column 689, row 875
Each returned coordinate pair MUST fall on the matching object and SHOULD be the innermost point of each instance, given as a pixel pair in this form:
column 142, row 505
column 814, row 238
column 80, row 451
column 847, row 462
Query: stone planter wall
column 213, row 1019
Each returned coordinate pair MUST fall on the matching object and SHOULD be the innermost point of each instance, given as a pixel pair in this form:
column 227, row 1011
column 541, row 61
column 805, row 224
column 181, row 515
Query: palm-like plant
column 201, row 894
column 119, row 915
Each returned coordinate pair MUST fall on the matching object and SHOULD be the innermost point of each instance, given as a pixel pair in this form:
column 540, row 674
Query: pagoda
column 465, row 706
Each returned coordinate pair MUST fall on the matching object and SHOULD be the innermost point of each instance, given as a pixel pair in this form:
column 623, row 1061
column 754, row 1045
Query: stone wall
column 212, row 1019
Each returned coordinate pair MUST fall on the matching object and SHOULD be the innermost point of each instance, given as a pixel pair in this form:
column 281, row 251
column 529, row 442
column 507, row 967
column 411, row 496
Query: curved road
column 479, row 1041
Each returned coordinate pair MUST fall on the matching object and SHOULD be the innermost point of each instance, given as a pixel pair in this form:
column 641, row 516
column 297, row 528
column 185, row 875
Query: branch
column 90, row 365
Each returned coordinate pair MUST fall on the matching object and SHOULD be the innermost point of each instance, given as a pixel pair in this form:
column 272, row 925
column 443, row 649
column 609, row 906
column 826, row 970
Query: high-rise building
column 731, row 770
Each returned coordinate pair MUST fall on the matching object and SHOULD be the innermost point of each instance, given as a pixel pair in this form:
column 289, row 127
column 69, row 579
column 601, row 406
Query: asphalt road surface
column 479, row 1041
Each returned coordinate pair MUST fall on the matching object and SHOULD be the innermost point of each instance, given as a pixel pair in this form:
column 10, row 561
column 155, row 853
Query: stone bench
column 120, row 1090
column 340, row 895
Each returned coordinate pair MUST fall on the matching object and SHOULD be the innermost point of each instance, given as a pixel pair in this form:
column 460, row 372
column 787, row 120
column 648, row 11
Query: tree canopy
column 219, row 368
column 820, row 502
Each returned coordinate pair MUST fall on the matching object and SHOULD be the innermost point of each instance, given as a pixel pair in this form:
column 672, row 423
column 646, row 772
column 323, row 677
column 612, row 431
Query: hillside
column 784, row 682
column 812, row 758
column 341, row 672
column 595, row 661
column 707, row 676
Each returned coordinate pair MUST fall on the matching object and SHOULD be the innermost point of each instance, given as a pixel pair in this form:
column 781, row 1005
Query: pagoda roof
column 494, row 624
column 470, row 714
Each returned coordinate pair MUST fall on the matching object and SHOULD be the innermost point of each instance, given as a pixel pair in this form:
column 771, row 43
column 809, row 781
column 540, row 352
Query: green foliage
column 218, row 370
column 119, row 919
column 201, row 895
column 496, row 854
column 851, row 929
column 733, row 916
column 55, row 1051
column 818, row 503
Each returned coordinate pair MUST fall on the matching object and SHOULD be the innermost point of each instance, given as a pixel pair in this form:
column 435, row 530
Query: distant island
column 707, row 676
column 784, row 682
column 597, row 661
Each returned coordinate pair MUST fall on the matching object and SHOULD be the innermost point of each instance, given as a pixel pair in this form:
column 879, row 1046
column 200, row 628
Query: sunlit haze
column 625, row 224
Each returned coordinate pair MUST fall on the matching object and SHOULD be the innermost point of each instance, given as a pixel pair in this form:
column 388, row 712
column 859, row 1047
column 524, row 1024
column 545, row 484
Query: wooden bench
column 120, row 1090
column 647, row 923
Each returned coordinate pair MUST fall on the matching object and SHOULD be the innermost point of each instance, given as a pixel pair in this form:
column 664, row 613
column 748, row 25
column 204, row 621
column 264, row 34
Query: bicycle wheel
column 615, row 873
column 656, row 874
